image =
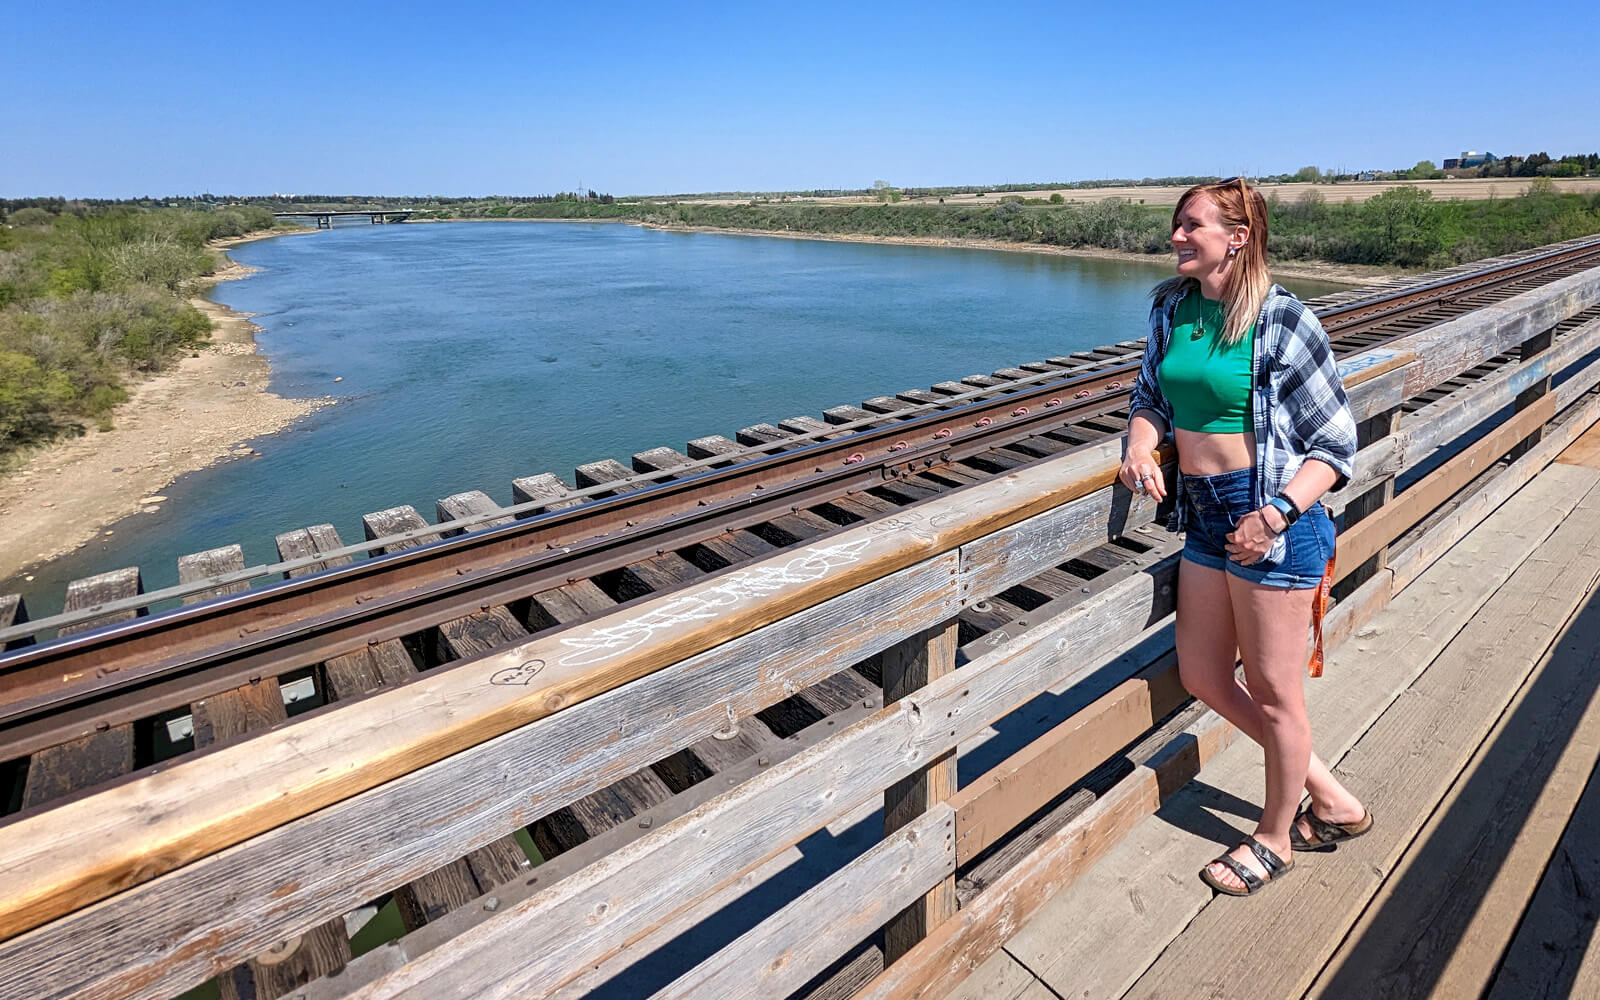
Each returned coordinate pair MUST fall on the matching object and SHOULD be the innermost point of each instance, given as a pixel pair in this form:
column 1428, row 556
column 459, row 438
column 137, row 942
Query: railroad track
column 720, row 504
column 116, row 691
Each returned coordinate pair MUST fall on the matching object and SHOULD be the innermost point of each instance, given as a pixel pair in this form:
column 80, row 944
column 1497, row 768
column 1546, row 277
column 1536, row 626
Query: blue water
column 472, row 354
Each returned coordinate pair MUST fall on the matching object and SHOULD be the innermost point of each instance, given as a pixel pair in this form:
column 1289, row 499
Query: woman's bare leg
column 1272, row 623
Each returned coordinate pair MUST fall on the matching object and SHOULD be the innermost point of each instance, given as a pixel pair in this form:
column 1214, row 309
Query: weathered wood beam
column 712, row 845
column 907, row 667
column 1373, row 534
column 1451, row 347
column 256, row 893
column 995, row 803
column 947, row 956
column 783, row 952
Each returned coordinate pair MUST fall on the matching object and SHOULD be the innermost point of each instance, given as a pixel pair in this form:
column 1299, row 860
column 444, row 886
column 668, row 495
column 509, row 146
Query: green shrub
column 29, row 397
column 30, row 216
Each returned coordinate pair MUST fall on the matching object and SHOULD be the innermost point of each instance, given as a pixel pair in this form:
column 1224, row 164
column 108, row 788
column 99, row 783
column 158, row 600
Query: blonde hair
column 1248, row 281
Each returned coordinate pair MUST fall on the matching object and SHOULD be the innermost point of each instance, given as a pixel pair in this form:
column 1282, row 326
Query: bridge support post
column 1379, row 425
column 907, row 666
column 1532, row 347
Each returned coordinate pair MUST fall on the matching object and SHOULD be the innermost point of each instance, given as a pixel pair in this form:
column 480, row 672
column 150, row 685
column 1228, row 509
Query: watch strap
column 1286, row 507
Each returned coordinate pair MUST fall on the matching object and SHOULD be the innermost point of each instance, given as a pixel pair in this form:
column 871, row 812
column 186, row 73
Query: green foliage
column 30, row 216
column 93, row 295
column 1409, row 228
column 29, row 396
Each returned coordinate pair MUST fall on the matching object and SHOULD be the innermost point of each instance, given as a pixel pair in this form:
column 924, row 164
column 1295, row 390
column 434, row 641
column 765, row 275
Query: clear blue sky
column 117, row 99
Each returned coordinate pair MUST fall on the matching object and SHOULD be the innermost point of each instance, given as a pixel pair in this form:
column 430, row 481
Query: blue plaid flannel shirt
column 1297, row 399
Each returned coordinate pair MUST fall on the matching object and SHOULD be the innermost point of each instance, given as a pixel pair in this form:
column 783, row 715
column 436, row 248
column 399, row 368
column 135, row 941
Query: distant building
column 1472, row 158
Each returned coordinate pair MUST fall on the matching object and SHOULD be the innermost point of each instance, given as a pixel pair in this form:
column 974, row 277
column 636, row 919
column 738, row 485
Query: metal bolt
column 646, row 822
column 763, row 760
column 101, row 727
column 492, row 903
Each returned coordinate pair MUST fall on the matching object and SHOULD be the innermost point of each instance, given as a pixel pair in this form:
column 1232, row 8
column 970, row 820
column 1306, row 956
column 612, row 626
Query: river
column 470, row 354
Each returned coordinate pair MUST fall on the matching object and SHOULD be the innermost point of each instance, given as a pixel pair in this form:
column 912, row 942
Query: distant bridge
column 325, row 219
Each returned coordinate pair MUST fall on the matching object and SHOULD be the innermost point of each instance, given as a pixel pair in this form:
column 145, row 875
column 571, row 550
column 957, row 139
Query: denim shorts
column 1216, row 503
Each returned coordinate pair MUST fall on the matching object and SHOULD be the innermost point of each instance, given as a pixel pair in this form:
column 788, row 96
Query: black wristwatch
column 1287, row 508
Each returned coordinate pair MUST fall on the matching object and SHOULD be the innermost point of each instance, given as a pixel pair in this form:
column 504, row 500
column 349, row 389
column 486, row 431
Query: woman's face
column 1202, row 240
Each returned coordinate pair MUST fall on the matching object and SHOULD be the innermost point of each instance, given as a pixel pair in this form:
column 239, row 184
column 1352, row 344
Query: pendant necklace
column 1199, row 331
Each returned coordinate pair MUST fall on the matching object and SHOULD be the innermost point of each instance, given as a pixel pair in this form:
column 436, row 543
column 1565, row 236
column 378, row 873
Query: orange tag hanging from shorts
column 1319, row 608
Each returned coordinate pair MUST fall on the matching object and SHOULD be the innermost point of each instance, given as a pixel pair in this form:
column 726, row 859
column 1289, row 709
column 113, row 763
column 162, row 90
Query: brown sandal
column 1327, row 834
column 1275, row 868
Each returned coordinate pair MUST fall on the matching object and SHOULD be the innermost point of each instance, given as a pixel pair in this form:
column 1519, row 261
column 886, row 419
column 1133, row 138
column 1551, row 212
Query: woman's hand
column 1254, row 534
column 1141, row 473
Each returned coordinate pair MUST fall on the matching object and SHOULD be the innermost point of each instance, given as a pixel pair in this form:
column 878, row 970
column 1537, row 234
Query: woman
column 1242, row 375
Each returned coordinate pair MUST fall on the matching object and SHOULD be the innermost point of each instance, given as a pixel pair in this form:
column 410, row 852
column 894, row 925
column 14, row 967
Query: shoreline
column 1347, row 274
column 1354, row 275
column 206, row 409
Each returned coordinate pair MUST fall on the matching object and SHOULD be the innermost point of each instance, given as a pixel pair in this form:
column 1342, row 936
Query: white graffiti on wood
column 602, row 644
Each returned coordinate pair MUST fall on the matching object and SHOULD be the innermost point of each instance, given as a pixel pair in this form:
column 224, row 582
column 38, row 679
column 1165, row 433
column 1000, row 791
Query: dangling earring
column 1233, row 251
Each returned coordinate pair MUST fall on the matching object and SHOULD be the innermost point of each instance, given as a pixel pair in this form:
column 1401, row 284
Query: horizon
column 717, row 99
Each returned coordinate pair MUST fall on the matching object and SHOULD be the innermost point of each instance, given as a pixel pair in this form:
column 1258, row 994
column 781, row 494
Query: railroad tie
column 468, row 504
column 607, row 470
column 760, row 434
column 663, row 459
column 847, row 414
column 14, row 611
column 305, row 542
column 105, row 754
column 714, row 446
column 886, row 404
column 982, row 382
column 546, row 487
column 807, row 424
column 393, row 521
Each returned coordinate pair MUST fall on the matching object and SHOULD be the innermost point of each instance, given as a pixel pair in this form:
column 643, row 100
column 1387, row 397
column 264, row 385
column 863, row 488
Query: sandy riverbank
column 1349, row 274
column 206, row 409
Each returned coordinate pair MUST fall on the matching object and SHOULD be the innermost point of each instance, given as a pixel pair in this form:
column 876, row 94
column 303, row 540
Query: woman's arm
column 1139, row 454
column 1150, row 417
column 1255, row 532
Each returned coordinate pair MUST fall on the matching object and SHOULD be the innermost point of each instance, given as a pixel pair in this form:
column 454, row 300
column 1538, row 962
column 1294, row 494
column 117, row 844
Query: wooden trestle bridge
column 324, row 220
column 881, row 704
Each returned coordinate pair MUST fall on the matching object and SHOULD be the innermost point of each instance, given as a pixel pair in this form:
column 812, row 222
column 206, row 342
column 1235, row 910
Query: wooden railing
column 152, row 886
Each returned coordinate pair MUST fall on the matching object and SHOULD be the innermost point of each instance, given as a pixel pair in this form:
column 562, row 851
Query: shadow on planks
column 1449, row 922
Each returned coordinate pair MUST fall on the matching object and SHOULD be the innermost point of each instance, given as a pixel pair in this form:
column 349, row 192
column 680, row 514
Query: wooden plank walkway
column 1466, row 715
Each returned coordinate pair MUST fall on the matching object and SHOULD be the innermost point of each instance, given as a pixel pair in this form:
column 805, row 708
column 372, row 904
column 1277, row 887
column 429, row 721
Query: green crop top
column 1207, row 384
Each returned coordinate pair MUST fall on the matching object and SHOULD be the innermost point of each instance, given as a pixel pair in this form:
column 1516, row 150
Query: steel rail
column 1343, row 319
column 154, row 663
